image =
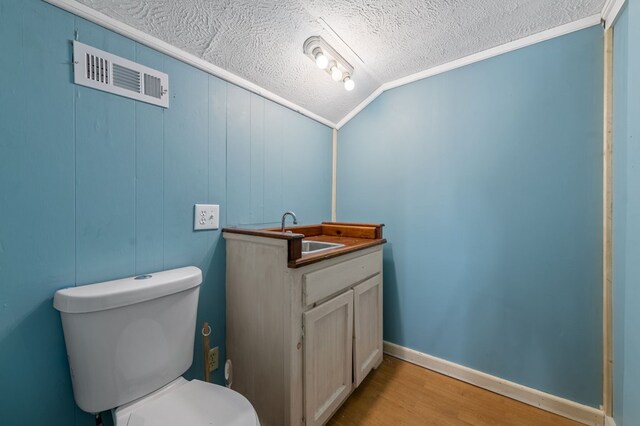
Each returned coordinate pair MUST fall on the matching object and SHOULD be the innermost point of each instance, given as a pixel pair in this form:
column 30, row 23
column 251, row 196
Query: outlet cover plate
column 206, row 216
column 213, row 358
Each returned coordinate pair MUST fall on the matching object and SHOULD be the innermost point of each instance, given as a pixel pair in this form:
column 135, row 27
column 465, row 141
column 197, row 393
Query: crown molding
column 578, row 25
column 610, row 11
column 109, row 23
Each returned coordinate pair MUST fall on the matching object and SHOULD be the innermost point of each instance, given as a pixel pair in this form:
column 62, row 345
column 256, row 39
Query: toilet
column 129, row 341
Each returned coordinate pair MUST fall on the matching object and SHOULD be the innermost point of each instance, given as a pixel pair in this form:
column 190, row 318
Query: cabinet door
column 328, row 334
column 367, row 327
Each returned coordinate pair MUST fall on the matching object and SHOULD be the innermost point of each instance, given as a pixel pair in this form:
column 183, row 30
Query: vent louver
column 152, row 86
column 103, row 71
column 97, row 69
column 126, row 78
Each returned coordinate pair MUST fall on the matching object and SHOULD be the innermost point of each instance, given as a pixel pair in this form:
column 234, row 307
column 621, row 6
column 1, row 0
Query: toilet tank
column 127, row 338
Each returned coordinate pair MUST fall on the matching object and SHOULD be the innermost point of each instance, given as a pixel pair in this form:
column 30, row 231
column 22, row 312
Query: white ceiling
column 261, row 41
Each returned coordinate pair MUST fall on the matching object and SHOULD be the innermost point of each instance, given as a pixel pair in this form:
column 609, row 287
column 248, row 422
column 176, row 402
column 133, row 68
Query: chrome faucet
column 284, row 216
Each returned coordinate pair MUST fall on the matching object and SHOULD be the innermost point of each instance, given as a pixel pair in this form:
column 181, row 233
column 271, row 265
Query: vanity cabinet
column 300, row 340
column 342, row 336
column 327, row 356
column 367, row 308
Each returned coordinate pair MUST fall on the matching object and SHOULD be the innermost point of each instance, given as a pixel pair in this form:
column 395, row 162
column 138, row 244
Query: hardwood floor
column 400, row 393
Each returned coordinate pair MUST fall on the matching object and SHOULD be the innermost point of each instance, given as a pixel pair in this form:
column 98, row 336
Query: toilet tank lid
column 126, row 291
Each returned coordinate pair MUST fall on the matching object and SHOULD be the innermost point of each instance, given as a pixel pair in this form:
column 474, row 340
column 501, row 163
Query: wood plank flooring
column 400, row 393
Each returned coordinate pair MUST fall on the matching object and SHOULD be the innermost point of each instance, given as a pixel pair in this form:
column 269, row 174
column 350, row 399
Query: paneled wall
column 95, row 187
column 489, row 181
column 626, row 216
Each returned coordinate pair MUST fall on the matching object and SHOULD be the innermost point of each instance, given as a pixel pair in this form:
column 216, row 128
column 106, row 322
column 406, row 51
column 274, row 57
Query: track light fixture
column 326, row 58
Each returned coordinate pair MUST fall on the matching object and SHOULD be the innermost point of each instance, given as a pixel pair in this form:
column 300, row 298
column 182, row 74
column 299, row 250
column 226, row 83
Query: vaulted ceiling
column 261, row 41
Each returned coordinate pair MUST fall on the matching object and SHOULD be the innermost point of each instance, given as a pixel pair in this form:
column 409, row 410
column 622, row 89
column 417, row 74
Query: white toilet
column 130, row 340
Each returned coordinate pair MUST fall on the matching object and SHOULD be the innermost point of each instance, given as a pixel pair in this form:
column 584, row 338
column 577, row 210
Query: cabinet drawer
column 322, row 283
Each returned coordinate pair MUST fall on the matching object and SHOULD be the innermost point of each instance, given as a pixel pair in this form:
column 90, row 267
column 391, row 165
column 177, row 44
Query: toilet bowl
column 184, row 402
column 128, row 343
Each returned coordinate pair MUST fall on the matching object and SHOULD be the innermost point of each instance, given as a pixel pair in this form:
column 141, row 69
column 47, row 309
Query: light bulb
column 321, row 60
column 336, row 74
column 348, row 83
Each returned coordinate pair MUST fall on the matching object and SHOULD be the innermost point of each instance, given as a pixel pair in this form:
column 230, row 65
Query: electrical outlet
column 213, row 359
column 206, row 216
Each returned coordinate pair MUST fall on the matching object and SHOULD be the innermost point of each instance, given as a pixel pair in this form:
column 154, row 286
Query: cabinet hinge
column 303, row 331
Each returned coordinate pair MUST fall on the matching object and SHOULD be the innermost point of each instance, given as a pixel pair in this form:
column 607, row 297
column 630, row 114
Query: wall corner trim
column 610, row 11
column 334, row 173
column 607, row 226
column 125, row 30
column 564, row 407
column 578, row 25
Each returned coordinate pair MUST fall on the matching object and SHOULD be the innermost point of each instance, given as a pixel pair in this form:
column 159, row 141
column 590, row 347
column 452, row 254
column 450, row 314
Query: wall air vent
column 103, row 71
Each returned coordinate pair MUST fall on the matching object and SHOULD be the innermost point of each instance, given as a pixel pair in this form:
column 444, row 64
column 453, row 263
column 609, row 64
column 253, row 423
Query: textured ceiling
column 261, row 41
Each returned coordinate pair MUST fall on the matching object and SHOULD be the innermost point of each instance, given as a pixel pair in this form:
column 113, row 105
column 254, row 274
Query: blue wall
column 95, row 187
column 488, row 179
column 626, row 216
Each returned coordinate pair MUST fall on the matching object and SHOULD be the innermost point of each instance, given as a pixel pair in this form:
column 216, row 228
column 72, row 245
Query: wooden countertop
column 354, row 236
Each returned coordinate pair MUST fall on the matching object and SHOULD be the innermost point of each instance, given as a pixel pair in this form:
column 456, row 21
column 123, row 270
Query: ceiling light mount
column 328, row 59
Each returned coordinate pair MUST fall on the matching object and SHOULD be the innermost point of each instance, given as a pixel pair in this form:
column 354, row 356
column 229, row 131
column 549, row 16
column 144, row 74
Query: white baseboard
column 564, row 407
